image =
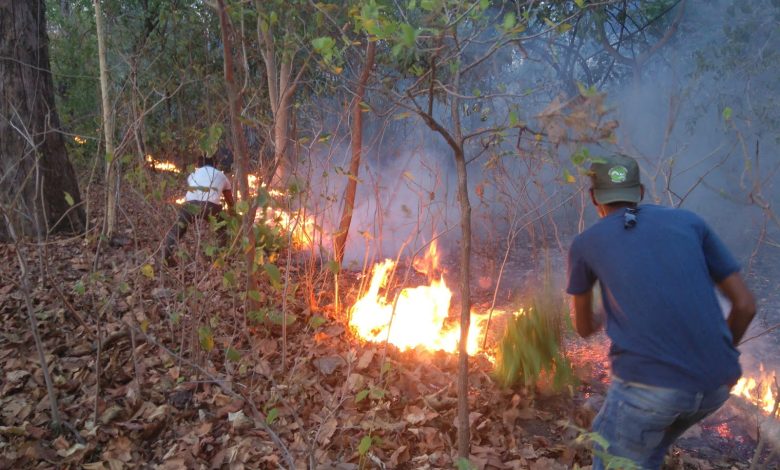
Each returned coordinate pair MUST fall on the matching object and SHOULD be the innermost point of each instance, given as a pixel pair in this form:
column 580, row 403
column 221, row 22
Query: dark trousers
column 191, row 211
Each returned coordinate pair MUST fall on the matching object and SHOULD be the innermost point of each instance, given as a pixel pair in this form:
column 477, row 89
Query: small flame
column 162, row 166
column 429, row 264
column 79, row 140
column 723, row 430
column 419, row 317
column 759, row 392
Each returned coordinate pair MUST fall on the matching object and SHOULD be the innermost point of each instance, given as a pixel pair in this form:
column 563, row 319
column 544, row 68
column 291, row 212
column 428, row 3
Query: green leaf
column 273, row 413
column 386, row 367
column 254, row 295
column 568, row 177
column 510, row 20
column 232, row 355
column 427, row 5
column 206, row 338
column 229, row 279
column 334, row 266
column 273, row 274
column 513, row 120
column 580, row 3
column 361, row 395
column 275, row 317
column 317, row 321
column 79, row 287
column 69, row 199
column 464, row 464
column 209, row 141
column 148, row 271
column 408, row 35
column 727, row 112
column 365, row 444
column 323, row 43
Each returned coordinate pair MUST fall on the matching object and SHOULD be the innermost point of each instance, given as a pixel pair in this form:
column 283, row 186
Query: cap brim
column 607, row 196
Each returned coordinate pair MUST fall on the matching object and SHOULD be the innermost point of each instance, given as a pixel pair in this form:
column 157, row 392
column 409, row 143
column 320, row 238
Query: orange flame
column 429, row 264
column 758, row 392
column 162, row 166
column 415, row 318
column 79, row 140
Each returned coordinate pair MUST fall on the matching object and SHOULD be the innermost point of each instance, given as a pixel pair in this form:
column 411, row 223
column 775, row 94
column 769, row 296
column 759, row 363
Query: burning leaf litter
column 416, row 316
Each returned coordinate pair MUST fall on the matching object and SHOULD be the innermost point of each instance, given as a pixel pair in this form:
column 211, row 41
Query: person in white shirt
column 206, row 188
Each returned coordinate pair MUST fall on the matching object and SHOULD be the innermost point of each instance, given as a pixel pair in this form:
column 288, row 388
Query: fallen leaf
column 327, row 430
column 365, row 359
column 328, row 364
column 545, row 463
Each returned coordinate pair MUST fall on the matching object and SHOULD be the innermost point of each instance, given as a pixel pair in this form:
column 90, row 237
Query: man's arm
column 743, row 305
column 584, row 320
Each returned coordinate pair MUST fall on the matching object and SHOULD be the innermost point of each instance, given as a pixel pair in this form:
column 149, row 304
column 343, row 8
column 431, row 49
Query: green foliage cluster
column 531, row 348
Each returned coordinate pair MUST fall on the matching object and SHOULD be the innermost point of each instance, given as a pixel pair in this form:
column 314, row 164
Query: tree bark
column 357, row 151
column 464, row 433
column 112, row 178
column 242, row 155
column 39, row 191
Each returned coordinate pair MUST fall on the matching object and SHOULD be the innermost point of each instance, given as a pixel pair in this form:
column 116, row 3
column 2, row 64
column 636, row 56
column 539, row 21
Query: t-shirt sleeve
column 226, row 186
column 720, row 262
column 581, row 277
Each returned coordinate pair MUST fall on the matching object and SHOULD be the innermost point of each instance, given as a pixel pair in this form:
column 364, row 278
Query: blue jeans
column 639, row 422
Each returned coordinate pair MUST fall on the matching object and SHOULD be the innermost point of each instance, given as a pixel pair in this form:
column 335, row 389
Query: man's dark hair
column 619, row 204
column 203, row 160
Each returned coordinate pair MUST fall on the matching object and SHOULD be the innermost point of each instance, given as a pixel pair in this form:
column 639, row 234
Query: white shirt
column 206, row 184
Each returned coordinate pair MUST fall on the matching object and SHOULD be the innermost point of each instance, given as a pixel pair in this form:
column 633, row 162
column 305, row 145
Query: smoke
column 698, row 118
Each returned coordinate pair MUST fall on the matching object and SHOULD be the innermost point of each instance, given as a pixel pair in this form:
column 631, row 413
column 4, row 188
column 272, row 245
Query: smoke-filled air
column 484, row 234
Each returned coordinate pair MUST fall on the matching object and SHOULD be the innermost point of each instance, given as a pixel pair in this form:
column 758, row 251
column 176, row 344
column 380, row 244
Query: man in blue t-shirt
column 673, row 355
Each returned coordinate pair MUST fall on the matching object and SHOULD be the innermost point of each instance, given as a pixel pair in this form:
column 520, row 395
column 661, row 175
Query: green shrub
column 531, row 350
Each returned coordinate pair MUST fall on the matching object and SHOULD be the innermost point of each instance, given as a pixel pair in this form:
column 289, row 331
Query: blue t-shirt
column 657, row 285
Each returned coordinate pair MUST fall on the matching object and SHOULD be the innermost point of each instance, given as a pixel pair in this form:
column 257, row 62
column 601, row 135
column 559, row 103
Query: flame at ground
column 758, row 392
column 162, row 166
column 419, row 318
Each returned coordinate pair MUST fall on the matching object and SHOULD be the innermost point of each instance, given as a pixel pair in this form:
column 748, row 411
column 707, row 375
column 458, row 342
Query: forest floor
column 184, row 379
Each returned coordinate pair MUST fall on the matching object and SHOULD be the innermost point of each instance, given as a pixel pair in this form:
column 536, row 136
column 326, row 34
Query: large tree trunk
column 357, row 150
column 39, row 191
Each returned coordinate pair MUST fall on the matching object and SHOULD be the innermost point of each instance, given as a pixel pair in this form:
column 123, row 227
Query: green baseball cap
column 615, row 179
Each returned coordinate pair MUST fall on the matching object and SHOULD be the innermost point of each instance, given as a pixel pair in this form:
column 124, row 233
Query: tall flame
column 414, row 318
column 758, row 392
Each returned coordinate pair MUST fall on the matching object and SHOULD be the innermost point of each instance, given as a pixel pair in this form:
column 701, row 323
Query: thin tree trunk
column 241, row 152
column 357, row 150
column 464, row 438
column 112, row 179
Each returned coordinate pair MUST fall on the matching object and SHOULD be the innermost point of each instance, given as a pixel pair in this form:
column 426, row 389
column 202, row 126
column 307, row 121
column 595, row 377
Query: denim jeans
column 639, row 422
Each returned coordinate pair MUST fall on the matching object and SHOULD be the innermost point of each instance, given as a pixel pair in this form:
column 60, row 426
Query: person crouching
column 206, row 188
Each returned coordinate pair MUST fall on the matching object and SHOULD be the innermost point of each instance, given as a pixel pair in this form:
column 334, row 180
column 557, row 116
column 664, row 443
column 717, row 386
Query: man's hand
column 743, row 305
column 584, row 320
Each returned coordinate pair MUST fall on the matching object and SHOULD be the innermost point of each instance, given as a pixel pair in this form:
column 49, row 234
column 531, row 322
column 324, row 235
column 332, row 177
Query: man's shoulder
column 676, row 214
